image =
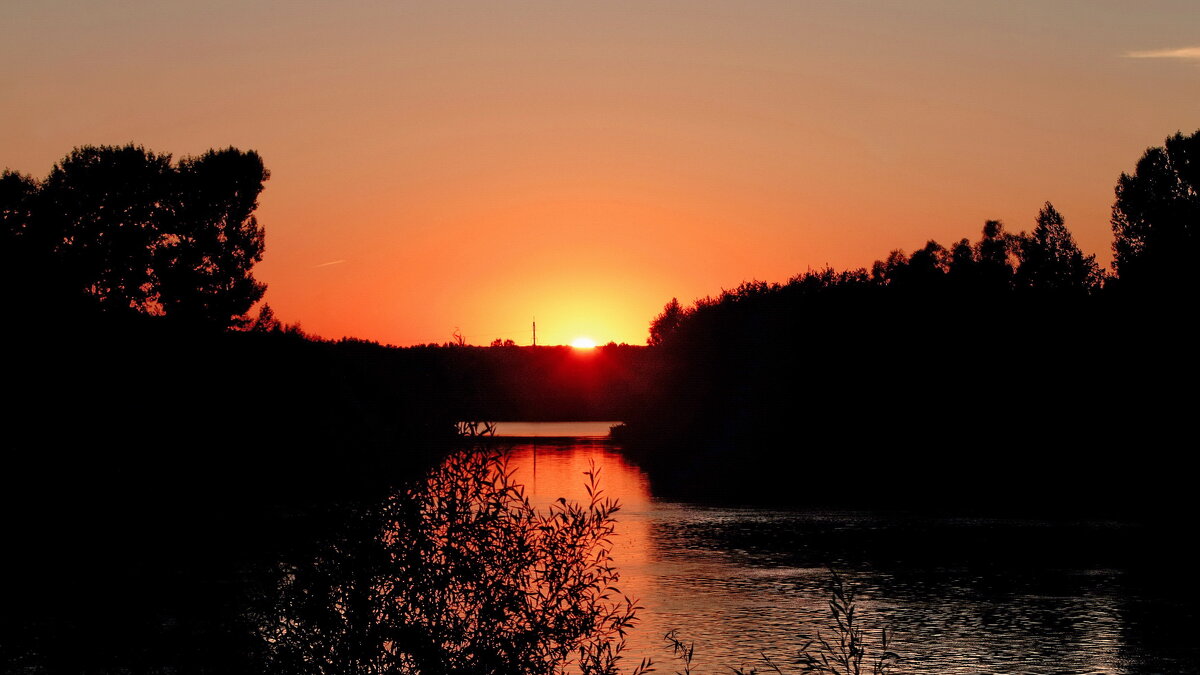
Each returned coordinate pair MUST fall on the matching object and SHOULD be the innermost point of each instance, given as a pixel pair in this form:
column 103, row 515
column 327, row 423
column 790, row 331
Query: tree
column 17, row 192
column 994, row 254
column 102, row 211
column 204, row 264
column 23, row 262
column 266, row 321
column 125, row 230
column 664, row 324
column 1050, row 260
column 962, row 269
column 1156, row 217
column 927, row 266
column 891, row 270
column 922, row 272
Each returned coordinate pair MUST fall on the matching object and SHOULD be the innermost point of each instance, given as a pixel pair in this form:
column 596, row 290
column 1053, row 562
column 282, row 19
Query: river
column 961, row 595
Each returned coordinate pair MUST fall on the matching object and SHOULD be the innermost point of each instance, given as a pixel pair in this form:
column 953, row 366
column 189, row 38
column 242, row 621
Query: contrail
column 327, row 264
column 1190, row 53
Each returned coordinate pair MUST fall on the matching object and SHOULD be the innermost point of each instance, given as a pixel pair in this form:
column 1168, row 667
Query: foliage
column 684, row 652
column 665, row 323
column 204, row 264
column 996, row 254
column 1156, row 217
column 123, row 230
column 16, row 203
column 102, row 210
column 1041, row 264
column 266, row 321
column 1051, row 261
column 459, row 574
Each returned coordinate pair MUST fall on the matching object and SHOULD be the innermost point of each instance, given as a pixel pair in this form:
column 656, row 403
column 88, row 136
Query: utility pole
column 535, row 332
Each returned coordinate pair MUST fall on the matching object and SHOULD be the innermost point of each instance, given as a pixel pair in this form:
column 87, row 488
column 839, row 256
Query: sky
column 481, row 165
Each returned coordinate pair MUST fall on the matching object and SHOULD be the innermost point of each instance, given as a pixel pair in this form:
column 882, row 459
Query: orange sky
column 479, row 164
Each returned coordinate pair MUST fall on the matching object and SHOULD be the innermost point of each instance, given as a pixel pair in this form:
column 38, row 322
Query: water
column 573, row 430
column 961, row 595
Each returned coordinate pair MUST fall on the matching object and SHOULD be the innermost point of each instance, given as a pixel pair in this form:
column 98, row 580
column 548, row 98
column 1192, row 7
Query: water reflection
column 559, row 430
column 963, row 595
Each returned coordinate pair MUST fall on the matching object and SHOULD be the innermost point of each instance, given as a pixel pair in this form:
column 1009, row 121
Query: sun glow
column 583, row 342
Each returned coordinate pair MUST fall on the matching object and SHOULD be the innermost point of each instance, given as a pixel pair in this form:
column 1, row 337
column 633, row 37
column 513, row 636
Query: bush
column 459, row 574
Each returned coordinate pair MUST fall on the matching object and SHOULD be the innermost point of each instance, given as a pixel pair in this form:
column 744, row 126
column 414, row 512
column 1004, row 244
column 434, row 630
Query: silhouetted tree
column 266, row 321
column 666, row 323
column 16, row 203
column 103, row 210
column 204, row 263
column 1156, row 217
column 995, row 254
column 962, row 268
column 1050, row 260
column 923, row 271
column 23, row 262
column 891, row 270
column 124, row 230
column 927, row 266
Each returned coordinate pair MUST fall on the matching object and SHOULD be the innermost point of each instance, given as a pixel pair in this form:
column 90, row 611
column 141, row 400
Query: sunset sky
column 479, row 164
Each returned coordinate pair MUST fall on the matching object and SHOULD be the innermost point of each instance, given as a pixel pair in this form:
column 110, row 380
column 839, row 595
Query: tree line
column 952, row 375
column 1155, row 223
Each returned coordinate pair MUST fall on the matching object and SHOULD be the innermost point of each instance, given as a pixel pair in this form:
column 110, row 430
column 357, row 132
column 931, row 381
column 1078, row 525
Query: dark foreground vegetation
column 456, row 574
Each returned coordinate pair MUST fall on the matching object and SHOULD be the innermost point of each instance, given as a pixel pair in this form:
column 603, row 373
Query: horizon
column 473, row 166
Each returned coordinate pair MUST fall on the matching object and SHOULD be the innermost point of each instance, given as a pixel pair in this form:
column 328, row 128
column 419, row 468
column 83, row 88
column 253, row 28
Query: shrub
column 459, row 574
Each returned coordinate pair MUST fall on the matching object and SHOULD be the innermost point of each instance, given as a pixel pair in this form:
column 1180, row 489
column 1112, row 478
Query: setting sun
column 583, row 343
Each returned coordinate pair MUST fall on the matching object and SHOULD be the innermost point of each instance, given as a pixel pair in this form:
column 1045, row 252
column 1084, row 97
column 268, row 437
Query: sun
column 583, row 342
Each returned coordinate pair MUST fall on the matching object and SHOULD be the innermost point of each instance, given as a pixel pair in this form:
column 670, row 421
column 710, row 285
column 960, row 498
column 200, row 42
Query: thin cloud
column 1187, row 53
column 327, row 264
